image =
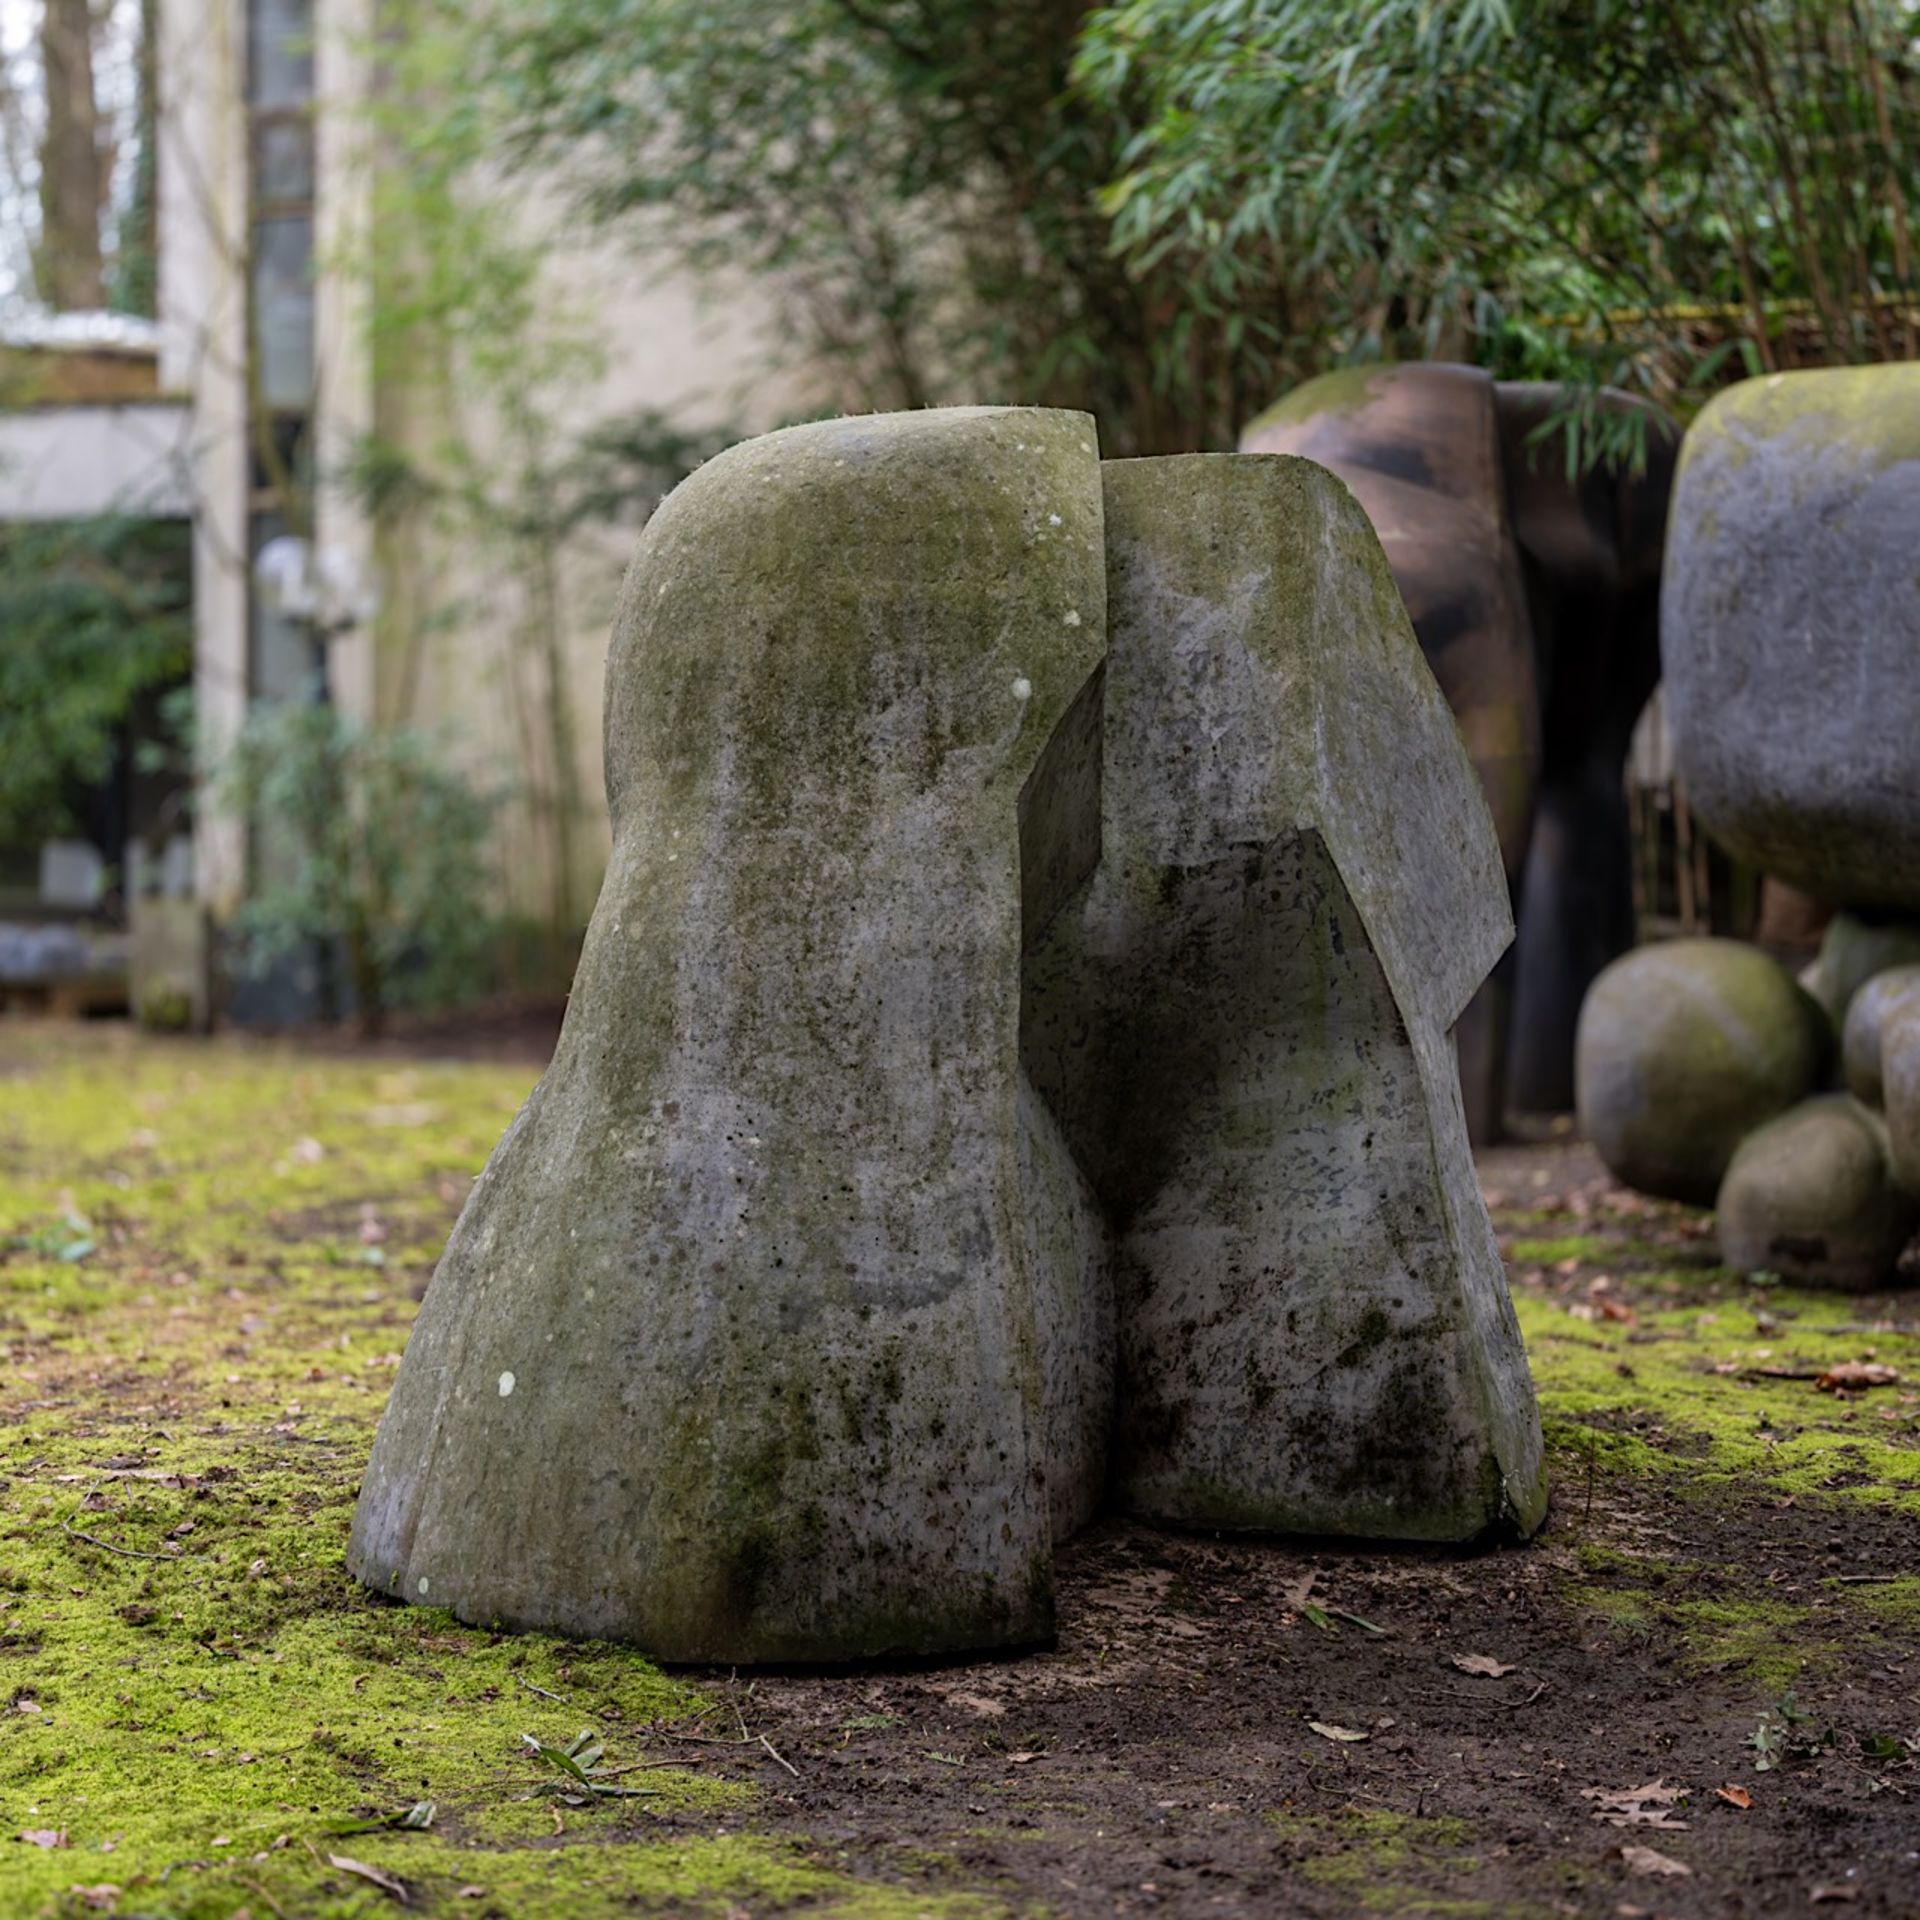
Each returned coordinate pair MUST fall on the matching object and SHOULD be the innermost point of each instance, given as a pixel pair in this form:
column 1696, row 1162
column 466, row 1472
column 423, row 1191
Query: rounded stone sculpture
column 1900, row 1087
column 1811, row 1197
column 1684, row 1048
column 1535, row 595
column 1862, row 1040
column 1790, row 629
column 1854, row 949
column 984, row 1046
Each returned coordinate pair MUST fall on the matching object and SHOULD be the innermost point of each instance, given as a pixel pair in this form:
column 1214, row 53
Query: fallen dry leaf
column 1481, row 1663
column 386, row 1882
column 1327, row 1732
column 1637, row 1806
column 1822, row 1894
column 1645, row 1860
column 1735, row 1797
column 1020, row 1759
column 102, row 1898
column 1856, row 1373
column 45, row 1836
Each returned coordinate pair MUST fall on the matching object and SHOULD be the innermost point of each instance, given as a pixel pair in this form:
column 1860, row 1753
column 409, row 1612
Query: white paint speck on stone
column 506, row 1385
column 422, row 1587
column 1053, row 519
column 1023, row 688
column 1071, row 618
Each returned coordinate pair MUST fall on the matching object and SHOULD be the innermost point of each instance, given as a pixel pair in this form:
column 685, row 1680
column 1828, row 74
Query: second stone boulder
column 1684, row 1049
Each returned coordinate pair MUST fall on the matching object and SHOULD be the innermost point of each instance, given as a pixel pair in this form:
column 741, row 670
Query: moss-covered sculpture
column 783, row 1323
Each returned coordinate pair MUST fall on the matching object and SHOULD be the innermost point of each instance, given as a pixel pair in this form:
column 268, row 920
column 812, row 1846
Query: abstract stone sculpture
column 1535, row 594
column 1790, row 626
column 983, row 1045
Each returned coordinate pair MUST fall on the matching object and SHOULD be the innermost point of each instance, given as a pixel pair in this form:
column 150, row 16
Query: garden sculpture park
column 959, row 962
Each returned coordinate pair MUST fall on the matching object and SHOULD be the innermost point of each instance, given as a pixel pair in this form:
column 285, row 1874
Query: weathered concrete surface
column 1811, row 1197
column 1854, row 949
column 1241, row 1022
column 1684, row 1049
column 1862, row 1041
column 1790, row 625
column 733, row 1351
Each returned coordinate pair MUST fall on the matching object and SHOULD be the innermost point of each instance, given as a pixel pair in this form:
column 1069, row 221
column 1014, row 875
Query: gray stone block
column 733, row 1351
column 1242, row 1022
column 1790, row 629
column 783, row 1324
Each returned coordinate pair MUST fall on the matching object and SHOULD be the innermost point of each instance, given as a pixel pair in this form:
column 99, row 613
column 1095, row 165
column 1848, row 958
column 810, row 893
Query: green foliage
column 93, row 614
column 1609, row 190
column 1784, row 1736
column 364, row 840
column 915, row 179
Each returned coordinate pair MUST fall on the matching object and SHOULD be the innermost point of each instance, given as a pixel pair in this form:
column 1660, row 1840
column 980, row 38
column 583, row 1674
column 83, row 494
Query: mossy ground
column 209, row 1258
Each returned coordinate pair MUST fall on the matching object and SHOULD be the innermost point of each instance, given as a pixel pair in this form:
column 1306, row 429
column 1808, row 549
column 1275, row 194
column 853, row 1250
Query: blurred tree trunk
column 73, row 185
column 133, row 284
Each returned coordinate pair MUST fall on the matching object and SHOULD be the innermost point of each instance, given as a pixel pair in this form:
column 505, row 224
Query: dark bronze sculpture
column 1535, row 594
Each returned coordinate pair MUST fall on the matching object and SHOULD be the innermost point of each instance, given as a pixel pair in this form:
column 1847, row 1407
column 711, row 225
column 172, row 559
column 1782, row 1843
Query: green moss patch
column 1378, row 1858
column 209, row 1260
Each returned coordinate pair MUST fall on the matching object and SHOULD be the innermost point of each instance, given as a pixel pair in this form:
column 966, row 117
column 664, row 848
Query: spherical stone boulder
column 1857, row 948
column 1861, row 1040
column 1900, row 1088
column 1683, row 1049
column 1789, row 629
column 1811, row 1197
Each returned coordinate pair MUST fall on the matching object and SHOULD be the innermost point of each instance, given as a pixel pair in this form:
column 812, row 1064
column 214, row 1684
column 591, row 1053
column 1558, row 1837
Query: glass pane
column 280, row 52
column 283, row 310
column 283, row 655
column 283, row 159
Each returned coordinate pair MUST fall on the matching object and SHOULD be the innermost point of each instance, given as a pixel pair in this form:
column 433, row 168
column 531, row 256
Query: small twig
column 1865, row 1579
column 784, row 1761
column 704, row 1739
column 1486, row 1706
column 1781, row 1373
column 541, row 1691
column 93, row 1540
column 254, row 1886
